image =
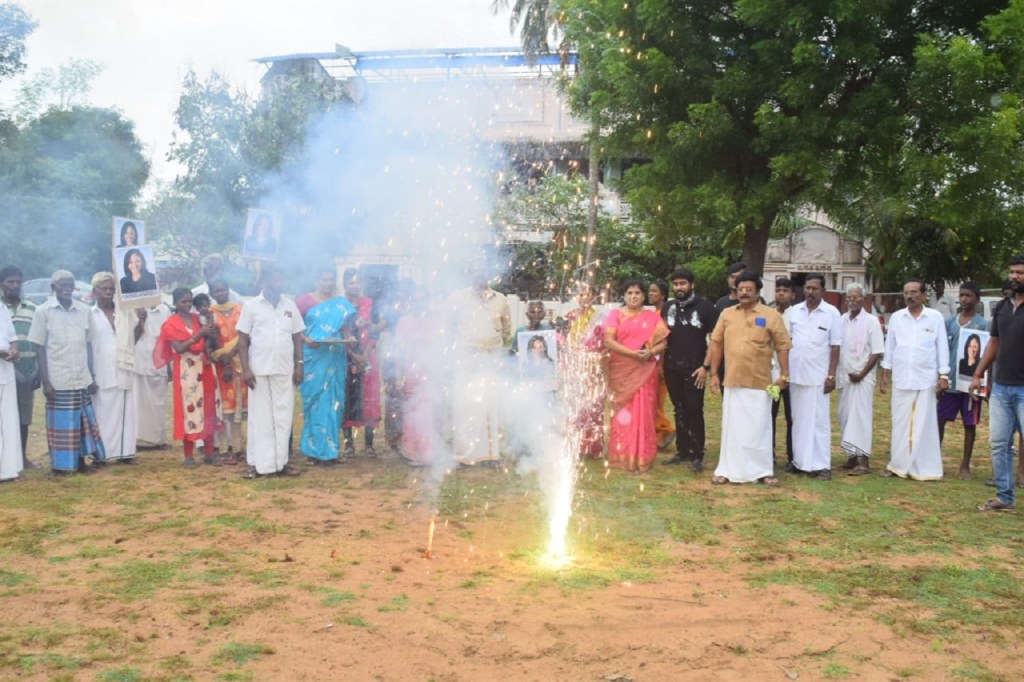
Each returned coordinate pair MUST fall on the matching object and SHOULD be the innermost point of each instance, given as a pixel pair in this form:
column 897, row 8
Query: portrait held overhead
column 129, row 232
column 512, row 339
column 262, row 232
column 136, row 279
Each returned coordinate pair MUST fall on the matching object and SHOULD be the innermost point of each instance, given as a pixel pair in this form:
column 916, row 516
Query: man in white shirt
column 150, row 382
column 270, row 349
column 814, row 328
column 946, row 305
column 917, row 362
column 481, row 325
column 62, row 329
column 861, row 349
column 112, row 361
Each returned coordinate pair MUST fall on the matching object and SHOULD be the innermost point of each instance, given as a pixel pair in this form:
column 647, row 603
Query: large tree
column 62, row 176
column 746, row 109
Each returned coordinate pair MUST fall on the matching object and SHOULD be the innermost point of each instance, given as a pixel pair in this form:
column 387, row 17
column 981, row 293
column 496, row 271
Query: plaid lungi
column 71, row 430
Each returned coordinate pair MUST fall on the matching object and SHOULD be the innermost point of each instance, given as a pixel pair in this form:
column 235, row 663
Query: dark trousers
column 784, row 401
column 688, row 401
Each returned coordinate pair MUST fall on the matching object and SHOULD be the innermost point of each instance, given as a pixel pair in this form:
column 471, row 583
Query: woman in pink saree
column 635, row 338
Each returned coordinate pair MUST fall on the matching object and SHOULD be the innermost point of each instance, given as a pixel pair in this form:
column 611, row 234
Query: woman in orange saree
column 182, row 343
column 635, row 337
column 233, row 391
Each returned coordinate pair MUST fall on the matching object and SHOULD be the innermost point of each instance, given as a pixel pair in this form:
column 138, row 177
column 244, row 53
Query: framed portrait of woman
column 135, row 272
column 262, row 235
column 129, row 232
column 538, row 358
column 968, row 354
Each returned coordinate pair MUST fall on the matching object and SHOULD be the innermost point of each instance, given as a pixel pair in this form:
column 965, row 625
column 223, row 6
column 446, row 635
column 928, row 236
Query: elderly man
column 534, row 322
column 270, row 349
column 917, row 364
column 957, row 401
column 62, row 329
column 113, row 359
column 1006, row 398
column 150, row 382
column 813, row 326
column 746, row 336
column 861, row 349
column 26, row 368
column 10, row 433
column 481, row 324
column 213, row 268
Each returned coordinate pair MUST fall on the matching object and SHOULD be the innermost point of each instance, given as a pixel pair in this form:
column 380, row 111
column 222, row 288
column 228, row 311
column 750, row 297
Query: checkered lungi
column 72, row 431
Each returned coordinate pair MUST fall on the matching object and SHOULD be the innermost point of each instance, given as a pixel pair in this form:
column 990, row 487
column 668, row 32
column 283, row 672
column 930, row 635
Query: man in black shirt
column 690, row 320
column 730, row 299
column 1006, row 398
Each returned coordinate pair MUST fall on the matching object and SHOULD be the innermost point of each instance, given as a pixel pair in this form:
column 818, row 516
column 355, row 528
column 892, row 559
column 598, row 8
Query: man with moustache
column 861, row 349
column 917, row 363
column 731, row 299
column 689, row 318
column 26, row 368
column 814, row 329
column 62, row 329
column 1006, row 398
column 746, row 336
column 270, row 350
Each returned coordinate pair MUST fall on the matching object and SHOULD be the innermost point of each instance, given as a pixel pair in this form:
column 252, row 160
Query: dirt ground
column 156, row 572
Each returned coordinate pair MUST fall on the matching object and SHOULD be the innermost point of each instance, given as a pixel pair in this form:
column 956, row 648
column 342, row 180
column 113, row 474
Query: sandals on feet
column 289, row 470
column 769, row 481
column 994, row 505
column 719, row 480
column 250, row 473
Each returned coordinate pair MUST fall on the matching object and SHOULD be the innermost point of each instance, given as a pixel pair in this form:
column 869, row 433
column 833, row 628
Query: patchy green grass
column 239, row 654
column 251, row 524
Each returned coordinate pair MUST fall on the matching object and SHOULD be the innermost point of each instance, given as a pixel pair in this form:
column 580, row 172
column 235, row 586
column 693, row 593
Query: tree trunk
column 755, row 243
column 595, row 198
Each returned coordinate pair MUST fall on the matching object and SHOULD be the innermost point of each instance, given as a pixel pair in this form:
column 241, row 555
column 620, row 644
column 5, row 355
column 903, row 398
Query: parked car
column 987, row 306
column 38, row 290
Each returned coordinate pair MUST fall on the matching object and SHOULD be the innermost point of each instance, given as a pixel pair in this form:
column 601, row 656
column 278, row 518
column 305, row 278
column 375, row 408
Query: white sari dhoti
column 476, row 396
column 856, row 405
column 10, row 432
column 916, row 451
column 117, row 417
column 271, row 405
column 812, row 427
column 151, row 405
column 746, row 451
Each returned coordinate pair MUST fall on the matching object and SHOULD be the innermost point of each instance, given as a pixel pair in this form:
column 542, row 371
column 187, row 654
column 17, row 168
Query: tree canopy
column 62, row 176
column 15, row 26
column 746, row 109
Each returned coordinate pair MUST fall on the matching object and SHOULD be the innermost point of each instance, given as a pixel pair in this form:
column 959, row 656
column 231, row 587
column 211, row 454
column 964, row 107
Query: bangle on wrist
column 784, row 378
column 944, row 376
column 830, row 377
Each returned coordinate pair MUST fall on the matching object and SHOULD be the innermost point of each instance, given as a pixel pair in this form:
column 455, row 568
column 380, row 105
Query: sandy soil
column 327, row 574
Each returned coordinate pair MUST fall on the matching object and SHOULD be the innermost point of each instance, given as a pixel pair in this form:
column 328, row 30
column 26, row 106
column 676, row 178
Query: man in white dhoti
column 270, row 349
column 10, row 425
column 481, row 324
column 150, row 382
column 746, row 337
column 917, row 362
column 861, row 349
column 113, row 358
column 813, row 326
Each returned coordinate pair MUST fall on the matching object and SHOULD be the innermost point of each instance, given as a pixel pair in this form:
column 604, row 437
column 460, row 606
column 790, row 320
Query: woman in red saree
column 182, row 343
column 635, row 338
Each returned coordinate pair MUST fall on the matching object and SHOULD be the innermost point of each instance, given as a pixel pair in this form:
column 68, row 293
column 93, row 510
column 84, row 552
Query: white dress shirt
column 270, row 329
column 814, row 333
column 916, row 349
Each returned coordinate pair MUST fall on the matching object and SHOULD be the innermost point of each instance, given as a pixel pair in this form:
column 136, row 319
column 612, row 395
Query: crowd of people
column 103, row 371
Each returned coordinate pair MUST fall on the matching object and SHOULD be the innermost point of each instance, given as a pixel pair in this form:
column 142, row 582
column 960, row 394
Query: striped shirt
column 22, row 313
column 65, row 334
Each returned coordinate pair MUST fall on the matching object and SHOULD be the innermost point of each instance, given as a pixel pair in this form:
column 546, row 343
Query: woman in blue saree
column 329, row 318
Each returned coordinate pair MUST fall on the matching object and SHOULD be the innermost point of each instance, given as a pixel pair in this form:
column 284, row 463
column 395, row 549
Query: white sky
column 146, row 46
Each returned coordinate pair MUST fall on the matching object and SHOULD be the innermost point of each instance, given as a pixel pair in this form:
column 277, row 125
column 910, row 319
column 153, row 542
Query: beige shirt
column 480, row 320
column 270, row 329
column 65, row 334
column 749, row 339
